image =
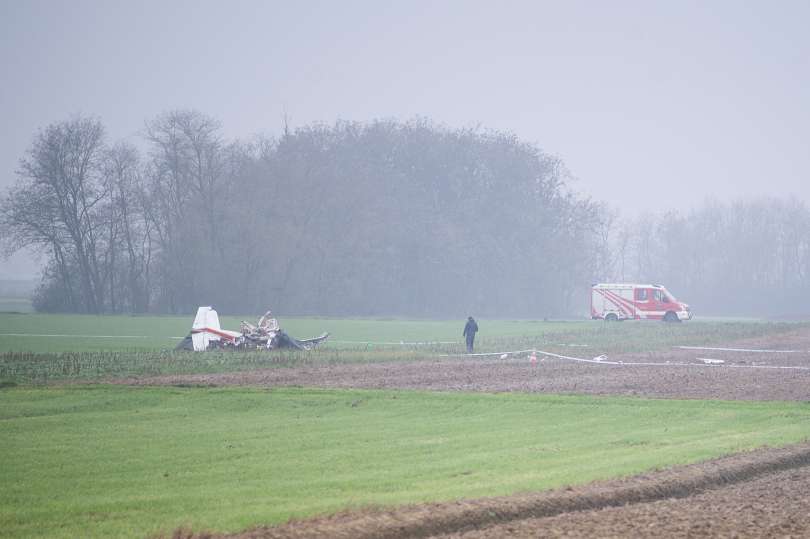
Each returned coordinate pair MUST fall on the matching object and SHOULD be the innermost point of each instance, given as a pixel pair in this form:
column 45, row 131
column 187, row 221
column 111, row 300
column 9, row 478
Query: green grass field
column 37, row 348
column 61, row 333
column 118, row 461
column 108, row 461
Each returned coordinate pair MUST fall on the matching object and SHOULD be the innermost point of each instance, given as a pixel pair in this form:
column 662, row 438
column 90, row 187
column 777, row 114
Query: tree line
column 741, row 257
column 379, row 218
column 368, row 219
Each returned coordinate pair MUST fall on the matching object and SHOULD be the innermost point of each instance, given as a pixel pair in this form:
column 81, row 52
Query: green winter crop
column 54, row 333
column 128, row 462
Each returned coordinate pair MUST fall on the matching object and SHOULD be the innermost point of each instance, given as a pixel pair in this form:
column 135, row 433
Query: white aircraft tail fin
column 206, row 318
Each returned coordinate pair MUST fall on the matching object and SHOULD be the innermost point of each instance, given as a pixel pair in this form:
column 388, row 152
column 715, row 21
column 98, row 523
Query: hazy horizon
column 651, row 107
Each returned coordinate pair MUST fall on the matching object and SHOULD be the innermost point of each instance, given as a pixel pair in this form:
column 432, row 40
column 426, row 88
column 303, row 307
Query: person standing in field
column 469, row 333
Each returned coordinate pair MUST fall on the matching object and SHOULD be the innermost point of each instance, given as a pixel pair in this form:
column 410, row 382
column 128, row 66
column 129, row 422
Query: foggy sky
column 652, row 105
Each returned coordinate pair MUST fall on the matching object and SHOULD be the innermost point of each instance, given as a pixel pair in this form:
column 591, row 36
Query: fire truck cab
column 628, row 301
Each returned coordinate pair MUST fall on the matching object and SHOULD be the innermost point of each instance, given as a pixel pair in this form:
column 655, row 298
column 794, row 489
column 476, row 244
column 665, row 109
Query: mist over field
column 412, row 160
column 382, row 269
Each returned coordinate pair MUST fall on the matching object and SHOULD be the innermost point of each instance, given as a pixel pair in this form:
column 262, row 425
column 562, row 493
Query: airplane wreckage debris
column 266, row 334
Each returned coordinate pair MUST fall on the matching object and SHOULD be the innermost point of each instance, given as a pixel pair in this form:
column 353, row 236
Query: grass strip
column 111, row 461
column 440, row 519
column 54, row 333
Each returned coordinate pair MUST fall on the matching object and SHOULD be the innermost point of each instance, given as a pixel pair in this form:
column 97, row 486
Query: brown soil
column 674, row 373
column 765, row 493
column 761, row 493
column 777, row 505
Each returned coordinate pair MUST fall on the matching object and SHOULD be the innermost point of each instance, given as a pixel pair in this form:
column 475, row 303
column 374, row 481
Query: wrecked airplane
column 206, row 334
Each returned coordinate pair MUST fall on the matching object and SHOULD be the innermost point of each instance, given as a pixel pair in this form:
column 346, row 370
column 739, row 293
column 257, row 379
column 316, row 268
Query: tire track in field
column 428, row 520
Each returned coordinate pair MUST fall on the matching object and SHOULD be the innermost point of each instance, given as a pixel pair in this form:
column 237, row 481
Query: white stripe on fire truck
column 623, row 304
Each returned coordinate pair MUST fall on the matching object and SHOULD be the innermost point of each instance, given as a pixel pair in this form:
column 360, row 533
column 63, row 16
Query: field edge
column 426, row 520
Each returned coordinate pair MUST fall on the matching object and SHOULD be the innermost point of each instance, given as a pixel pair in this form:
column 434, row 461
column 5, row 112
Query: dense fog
column 383, row 218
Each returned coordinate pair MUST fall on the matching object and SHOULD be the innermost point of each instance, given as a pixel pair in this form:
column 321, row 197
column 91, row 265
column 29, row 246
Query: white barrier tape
column 487, row 354
column 85, row 336
column 510, row 353
column 711, row 360
column 599, row 361
column 400, row 343
column 795, row 368
column 672, row 364
column 428, row 343
column 629, row 363
column 390, row 343
column 740, row 350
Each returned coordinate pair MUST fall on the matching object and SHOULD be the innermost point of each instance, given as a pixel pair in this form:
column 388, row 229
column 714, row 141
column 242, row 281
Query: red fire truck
column 627, row 301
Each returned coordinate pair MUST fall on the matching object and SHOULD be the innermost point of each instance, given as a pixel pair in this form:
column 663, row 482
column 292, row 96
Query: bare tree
column 129, row 242
column 185, row 188
column 381, row 218
column 56, row 204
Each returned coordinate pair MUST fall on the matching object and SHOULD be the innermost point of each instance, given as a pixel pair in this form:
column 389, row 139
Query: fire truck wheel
column 671, row 317
column 611, row 318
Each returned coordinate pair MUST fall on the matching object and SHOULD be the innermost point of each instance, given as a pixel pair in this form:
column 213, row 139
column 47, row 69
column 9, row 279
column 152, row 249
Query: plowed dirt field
column 780, row 371
column 765, row 493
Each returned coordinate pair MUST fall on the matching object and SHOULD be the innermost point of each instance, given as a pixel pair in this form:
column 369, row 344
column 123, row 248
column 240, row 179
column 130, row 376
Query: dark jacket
column 470, row 328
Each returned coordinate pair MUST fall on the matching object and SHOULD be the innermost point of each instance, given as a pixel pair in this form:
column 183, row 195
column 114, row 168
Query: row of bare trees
column 380, row 218
column 111, row 223
column 74, row 203
column 743, row 257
